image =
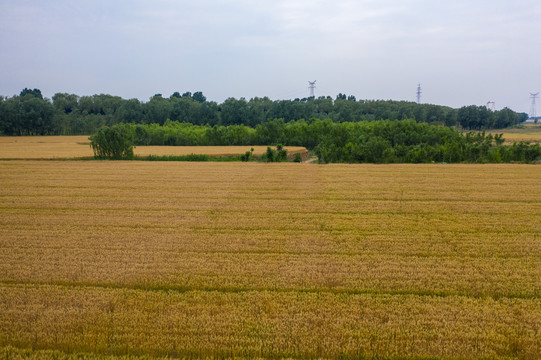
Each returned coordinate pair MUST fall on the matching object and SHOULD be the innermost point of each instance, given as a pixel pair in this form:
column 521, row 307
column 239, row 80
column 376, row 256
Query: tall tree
column 199, row 97
column 65, row 103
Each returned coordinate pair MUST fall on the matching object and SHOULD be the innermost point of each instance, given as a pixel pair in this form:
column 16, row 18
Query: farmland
column 71, row 147
column 269, row 260
column 529, row 132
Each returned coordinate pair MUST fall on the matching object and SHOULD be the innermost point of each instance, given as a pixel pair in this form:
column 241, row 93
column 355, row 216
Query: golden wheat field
column 251, row 260
column 530, row 133
column 70, row 147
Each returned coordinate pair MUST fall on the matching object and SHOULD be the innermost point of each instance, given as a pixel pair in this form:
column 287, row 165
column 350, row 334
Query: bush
column 269, row 156
column 248, row 155
column 281, row 153
column 278, row 155
column 112, row 143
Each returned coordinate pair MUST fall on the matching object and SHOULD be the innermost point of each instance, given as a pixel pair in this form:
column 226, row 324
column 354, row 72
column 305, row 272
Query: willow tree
column 112, row 143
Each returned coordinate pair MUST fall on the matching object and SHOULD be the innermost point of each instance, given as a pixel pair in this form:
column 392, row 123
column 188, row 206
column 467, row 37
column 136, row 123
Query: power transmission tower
column 491, row 105
column 419, row 92
column 533, row 111
column 312, row 86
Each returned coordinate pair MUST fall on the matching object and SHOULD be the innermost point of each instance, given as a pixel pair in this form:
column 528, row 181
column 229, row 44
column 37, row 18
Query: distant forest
column 29, row 113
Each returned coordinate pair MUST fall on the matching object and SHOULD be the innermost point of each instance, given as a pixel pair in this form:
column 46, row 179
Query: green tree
column 34, row 93
column 157, row 110
column 112, row 143
column 131, row 111
column 27, row 114
column 234, row 112
column 65, row 103
column 199, row 97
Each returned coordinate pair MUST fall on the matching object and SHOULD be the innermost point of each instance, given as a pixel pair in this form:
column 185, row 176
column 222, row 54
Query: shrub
column 112, row 143
column 269, row 156
column 281, row 153
column 278, row 155
column 248, row 155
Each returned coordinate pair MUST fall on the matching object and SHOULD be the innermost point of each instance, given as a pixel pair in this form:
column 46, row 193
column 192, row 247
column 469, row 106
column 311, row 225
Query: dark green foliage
column 351, row 132
column 359, row 142
column 271, row 132
column 275, row 155
column 112, row 143
column 521, row 152
column 65, row 103
column 131, row 111
column 184, row 134
column 248, row 155
column 479, row 117
column 34, row 93
column 281, row 153
column 297, row 158
column 199, row 97
column 269, row 156
column 27, row 114
column 71, row 114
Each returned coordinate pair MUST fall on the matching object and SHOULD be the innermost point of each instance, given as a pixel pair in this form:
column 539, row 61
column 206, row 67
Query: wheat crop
column 257, row 260
column 530, row 133
column 72, row 147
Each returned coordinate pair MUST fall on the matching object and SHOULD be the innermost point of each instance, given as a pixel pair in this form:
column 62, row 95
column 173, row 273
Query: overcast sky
column 462, row 52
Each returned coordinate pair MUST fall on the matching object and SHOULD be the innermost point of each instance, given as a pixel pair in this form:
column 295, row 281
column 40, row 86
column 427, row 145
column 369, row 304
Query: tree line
column 380, row 141
column 29, row 113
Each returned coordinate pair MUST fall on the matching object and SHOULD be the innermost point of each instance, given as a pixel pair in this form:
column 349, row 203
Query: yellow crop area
column 208, row 150
column 530, row 133
column 45, row 147
column 252, row 260
column 70, row 147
